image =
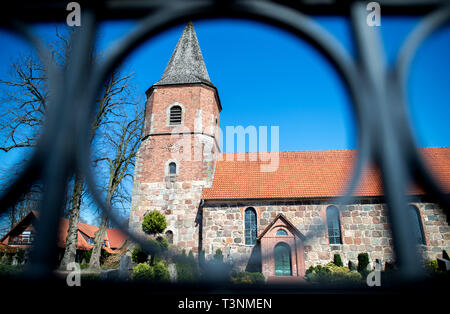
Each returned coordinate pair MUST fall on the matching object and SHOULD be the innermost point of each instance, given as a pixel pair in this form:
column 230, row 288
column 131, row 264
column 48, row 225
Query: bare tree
column 22, row 114
column 122, row 144
column 20, row 209
column 26, row 105
column 24, row 109
column 24, row 97
column 114, row 97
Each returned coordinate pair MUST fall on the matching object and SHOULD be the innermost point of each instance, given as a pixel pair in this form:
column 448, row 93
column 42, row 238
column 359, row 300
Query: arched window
column 250, row 226
column 282, row 254
column 172, row 169
column 175, row 115
column 416, row 222
column 281, row 233
column 334, row 227
column 169, row 236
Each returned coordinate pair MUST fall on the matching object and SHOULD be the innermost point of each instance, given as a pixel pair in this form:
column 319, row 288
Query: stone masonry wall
column 177, row 197
column 364, row 228
column 192, row 146
column 178, row 201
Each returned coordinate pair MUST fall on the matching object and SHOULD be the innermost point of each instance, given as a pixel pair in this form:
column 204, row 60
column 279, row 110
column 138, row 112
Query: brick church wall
column 178, row 201
column 364, row 228
column 177, row 197
column 220, row 225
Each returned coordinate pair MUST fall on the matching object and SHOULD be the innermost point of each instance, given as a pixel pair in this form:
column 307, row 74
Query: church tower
column 177, row 157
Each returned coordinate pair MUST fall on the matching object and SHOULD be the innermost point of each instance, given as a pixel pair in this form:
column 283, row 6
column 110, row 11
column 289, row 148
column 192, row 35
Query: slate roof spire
column 186, row 66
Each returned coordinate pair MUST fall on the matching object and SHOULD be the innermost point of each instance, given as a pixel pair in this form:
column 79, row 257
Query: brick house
column 23, row 233
column 278, row 221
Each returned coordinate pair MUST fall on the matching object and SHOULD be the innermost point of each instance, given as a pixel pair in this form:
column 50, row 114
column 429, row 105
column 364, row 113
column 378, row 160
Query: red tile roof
column 308, row 174
column 62, row 235
column 115, row 237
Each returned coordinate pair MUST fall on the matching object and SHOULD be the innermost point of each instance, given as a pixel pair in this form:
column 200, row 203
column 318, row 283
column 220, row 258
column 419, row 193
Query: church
column 278, row 222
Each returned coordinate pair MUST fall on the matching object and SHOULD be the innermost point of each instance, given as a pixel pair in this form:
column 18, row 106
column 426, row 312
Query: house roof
column 115, row 237
column 307, row 174
column 62, row 235
column 186, row 66
column 22, row 221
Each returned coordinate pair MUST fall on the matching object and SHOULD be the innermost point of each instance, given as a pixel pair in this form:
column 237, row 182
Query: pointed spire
column 186, row 66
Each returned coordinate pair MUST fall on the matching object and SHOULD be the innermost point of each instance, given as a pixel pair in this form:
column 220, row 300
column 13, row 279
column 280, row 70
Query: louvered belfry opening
column 175, row 115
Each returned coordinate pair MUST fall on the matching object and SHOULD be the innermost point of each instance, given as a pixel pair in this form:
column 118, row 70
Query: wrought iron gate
column 377, row 92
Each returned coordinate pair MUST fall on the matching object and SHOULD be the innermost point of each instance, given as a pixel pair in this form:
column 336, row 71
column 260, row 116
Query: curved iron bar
column 421, row 172
column 354, row 77
column 301, row 25
column 387, row 143
column 51, row 160
column 53, row 157
column 32, row 170
column 67, row 121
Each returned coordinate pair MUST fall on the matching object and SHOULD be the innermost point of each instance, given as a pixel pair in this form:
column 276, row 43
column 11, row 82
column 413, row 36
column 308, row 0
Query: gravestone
column 443, row 264
column 125, row 267
column 173, row 272
column 109, row 274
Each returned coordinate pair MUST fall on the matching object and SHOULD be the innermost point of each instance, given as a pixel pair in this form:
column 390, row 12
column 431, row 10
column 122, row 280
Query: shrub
column 218, row 257
column 432, row 266
column 215, row 269
column 154, row 222
column 157, row 245
column 313, row 269
column 247, row 278
column 84, row 265
column 162, row 243
column 332, row 274
column 103, row 256
column 7, row 259
column 158, row 272
column 201, row 258
column 139, row 255
column 363, row 261
column 337, row 260
column 20, row 255
column 142, row 272
column 86, row 255
column 89, row 276
column 112, row 262
column 187, row 270
column 161, row 272
column 10, row 270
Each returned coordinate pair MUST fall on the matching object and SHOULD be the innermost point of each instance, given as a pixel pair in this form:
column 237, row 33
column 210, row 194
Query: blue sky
column 267, row 77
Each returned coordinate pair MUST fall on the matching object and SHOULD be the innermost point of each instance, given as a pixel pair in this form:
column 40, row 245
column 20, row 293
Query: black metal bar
column 377, row 92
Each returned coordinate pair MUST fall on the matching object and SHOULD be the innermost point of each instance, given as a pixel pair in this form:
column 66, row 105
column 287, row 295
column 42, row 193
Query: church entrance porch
column 282, row 253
